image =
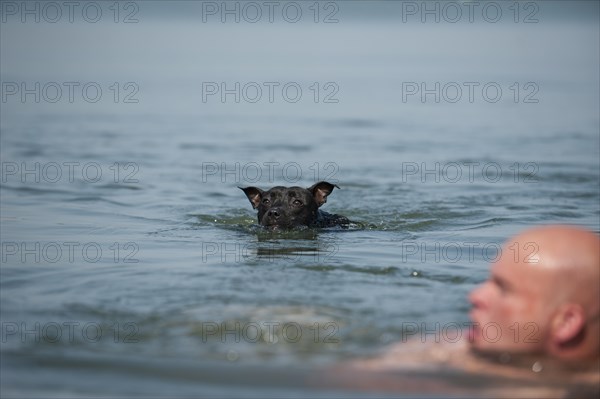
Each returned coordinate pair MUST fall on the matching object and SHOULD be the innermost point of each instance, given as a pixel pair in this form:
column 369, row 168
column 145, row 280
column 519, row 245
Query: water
column 140, row 262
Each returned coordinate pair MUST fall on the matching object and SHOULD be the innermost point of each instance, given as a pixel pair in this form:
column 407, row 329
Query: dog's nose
column 274, row 213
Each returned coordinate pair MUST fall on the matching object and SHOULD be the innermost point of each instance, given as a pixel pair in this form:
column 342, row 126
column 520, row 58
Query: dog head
column 289, row 207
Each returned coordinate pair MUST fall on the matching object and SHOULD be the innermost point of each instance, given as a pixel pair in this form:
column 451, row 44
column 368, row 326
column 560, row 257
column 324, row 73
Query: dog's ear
column 254, row 195
column 321, row 191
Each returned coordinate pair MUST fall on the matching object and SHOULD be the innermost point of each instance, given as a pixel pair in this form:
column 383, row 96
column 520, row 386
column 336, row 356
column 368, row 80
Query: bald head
column 566, row 258
column 547, row 278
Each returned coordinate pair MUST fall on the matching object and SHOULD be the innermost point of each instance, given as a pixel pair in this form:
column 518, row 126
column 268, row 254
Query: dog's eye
column 297, row 202
column 266, row 201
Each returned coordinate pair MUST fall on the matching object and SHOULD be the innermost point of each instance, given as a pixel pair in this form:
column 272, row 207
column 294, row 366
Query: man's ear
column 321, row 191
column 254, row 195
column 568, row 323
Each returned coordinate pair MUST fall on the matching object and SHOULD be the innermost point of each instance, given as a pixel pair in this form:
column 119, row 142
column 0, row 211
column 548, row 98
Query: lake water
column 131, row 264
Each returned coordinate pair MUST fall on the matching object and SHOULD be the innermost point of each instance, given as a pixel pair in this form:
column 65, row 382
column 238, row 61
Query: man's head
column 288, row 207
column 542, row 296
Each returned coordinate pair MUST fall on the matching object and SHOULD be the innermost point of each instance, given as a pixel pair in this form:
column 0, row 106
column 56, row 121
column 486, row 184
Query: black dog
column 290, row 207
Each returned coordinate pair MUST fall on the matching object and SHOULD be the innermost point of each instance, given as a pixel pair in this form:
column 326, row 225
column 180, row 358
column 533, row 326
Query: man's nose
column 477, row 297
